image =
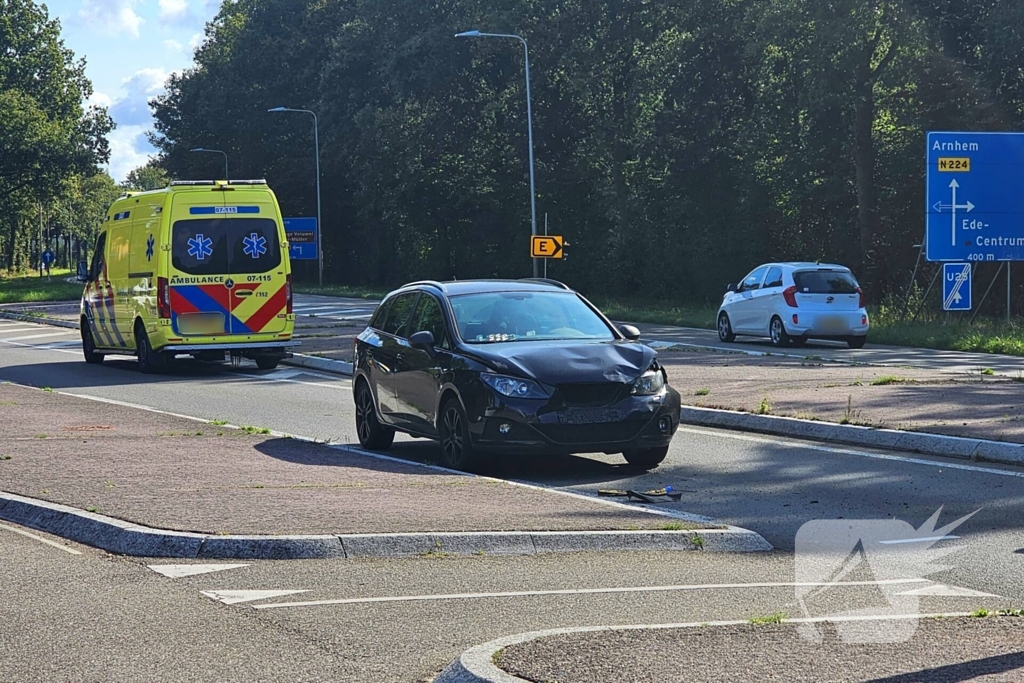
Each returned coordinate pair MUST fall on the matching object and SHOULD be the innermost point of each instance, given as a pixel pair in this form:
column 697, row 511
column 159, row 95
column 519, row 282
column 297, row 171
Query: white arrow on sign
column 961, row 278
column 940, row 207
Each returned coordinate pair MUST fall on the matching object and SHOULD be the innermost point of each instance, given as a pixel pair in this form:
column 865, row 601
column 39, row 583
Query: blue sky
column 130, row 48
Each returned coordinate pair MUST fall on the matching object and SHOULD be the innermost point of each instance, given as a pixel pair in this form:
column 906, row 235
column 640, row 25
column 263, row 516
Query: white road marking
column 70, row 551
column 942, row 590
column 231, row 597
column 36, row 336
column 178, row 571
column 928, row 539
column 5, row 330
column 850, row 451
column 586, row 591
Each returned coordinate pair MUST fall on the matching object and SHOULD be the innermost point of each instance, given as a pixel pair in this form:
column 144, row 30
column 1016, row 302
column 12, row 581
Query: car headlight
column 649, row 383
column 514, row 388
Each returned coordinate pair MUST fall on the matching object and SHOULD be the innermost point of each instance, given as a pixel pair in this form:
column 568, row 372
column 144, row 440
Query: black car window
column 753, row 281
column 377, row 321
column 97, row 257
column 825, row 282
column 399, row 313
column 774, row 278
column 225, row 246
column 429, row 318
column 526, row 316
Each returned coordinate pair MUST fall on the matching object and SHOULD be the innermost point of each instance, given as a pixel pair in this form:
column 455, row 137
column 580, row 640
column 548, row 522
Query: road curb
column 127, row 538
column 890, row 439
column 36, row 319
column 338, row 367
column 478, row 665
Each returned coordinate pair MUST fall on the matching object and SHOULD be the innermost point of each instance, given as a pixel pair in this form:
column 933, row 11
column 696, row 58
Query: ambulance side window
column 97, row 258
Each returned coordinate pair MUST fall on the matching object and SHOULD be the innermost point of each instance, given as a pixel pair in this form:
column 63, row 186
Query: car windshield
column 526, row 316
column 825, row 282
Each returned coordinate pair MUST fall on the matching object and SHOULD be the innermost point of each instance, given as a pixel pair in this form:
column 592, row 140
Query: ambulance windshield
column 225, row 246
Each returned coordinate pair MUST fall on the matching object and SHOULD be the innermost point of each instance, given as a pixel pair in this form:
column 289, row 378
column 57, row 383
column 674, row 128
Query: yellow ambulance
column 199, row 268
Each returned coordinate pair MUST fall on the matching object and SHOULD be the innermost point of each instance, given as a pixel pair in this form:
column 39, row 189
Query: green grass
column 254, row 430
column 702, row 392
column 980, row 613
column 32, row 288
column 886, row 380
column 775, row 618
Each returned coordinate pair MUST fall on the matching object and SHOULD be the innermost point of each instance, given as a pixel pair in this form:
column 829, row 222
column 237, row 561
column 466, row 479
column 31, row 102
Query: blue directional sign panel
column 301, row 233
column 48, row 257
column 956, row 286
column 975, row 201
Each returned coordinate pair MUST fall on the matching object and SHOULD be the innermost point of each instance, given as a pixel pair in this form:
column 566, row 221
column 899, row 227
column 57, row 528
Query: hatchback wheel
column 856, row 342
column 372, row 434
column 647, row 458
column 456, row 445
column 777, row 331
column 725, row 328
column 89, row 346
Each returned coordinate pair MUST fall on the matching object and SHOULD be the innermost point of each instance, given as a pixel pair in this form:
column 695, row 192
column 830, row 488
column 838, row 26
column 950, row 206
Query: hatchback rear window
column 225, row 246
column 825, row 282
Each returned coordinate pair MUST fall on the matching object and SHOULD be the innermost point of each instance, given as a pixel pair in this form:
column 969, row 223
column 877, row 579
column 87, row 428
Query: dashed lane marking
column 588, row 591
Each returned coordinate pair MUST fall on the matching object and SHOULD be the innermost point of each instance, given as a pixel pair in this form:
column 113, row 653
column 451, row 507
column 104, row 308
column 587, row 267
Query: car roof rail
column 427, row 283
column 256, row 181
column 546, row 281
column 185, row 183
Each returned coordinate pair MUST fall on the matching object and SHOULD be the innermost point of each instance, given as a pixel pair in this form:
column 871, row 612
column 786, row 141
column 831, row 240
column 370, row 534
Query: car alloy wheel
column 456, row 446
column 778, row 332
column 725, row 328
column 372, row 434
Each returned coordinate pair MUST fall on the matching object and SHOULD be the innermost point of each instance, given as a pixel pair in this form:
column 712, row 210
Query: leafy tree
column 147, row 177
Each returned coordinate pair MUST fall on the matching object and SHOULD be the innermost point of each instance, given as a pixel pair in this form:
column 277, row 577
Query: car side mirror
column 422, row 340
column 731, row 288
column 630, row 332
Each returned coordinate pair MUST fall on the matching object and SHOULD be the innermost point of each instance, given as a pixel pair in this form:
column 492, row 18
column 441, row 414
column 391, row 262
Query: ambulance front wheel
column 88, row 345
column 149, row 360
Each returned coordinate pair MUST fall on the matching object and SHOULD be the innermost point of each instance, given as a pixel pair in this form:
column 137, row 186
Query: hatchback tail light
column 163, row 298
column 860, row 298
column 288, row 292
column 789, row 294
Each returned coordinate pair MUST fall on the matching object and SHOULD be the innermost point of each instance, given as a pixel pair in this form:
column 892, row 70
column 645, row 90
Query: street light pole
column 215, row 151
column 316, row 145
column 529, row 122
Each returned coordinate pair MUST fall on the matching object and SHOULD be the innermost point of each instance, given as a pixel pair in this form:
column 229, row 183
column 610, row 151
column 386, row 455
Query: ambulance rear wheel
column 267, row 362
column 149, row 361
column 89, row 346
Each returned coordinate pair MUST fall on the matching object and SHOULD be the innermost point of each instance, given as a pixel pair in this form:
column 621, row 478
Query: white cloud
column 99, row 99
column 129, row 149
column 140, row 88
column 111, row 17
column 196, row 40
column 175, row 12
column 173, row 45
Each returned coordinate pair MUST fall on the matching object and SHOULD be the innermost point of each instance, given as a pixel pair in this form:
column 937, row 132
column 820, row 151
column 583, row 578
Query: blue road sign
column 975, row 206
column 956, row 286
column 48, row 257
column 301, row 233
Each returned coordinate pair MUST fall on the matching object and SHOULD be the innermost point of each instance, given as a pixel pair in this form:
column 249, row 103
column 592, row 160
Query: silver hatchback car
column 793, row 302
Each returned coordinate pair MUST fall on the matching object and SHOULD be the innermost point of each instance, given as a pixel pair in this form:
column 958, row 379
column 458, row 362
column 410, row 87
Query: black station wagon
column 513, row 366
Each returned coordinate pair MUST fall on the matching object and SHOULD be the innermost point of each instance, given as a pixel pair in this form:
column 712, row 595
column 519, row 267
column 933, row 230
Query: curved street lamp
column 529, row 121
column 215, row 151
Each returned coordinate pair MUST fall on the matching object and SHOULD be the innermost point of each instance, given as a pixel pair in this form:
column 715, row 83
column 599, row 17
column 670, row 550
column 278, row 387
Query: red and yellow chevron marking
column 259, row 314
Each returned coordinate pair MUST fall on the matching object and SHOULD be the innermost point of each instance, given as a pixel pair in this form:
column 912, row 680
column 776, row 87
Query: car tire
column 777, row 332
column 856, row 342
column 725, row 332
column 267, row 363
column 372, row 434
column 457, row 450
column 89, row 345
column 150, row 362
column 646, row 458
column 798, row 341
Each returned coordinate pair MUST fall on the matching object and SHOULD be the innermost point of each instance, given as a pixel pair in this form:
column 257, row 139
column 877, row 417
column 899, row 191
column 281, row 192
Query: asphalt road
column 770, row 485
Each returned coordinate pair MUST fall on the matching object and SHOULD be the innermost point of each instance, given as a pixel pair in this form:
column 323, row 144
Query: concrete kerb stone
column 890, row 439
column 36, row 319
column 125, row 538
column 337, row 367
